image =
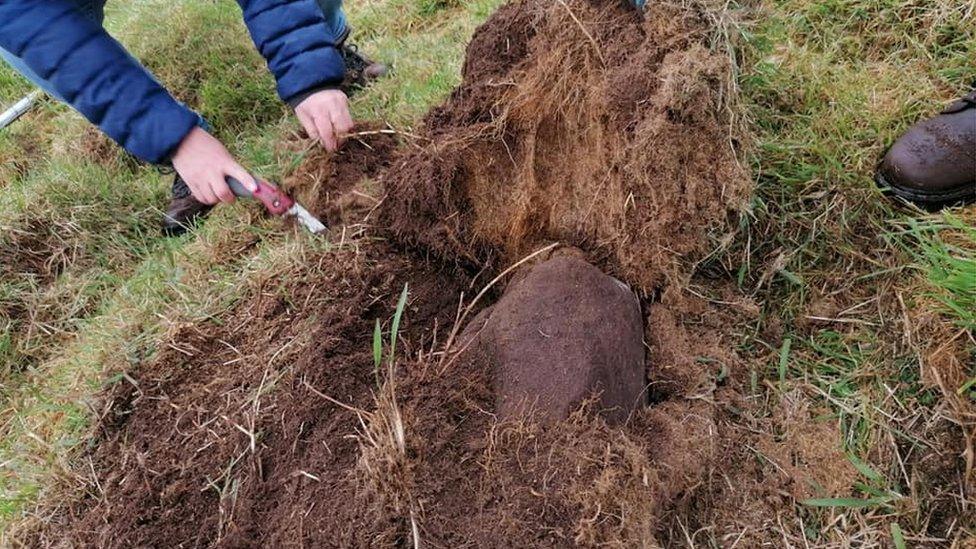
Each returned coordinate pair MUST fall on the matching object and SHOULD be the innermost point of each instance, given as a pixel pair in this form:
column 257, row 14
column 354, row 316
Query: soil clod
column 579, row 122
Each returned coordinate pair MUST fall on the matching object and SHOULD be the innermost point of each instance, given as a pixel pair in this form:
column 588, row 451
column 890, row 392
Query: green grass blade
column 791, row 276
column 966, row 386
column 850, row 503
column 377, row 350
column 897, row 538
column 871, row 490
column 865, row 469
column 784, row 355
column 948, row 265
column 395, row 328
column 377, row 344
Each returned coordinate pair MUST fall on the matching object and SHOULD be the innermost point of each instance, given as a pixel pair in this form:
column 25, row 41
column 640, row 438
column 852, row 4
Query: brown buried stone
column 563, row 333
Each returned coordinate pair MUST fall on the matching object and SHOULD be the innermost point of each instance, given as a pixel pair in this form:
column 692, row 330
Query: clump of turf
column 584, row 123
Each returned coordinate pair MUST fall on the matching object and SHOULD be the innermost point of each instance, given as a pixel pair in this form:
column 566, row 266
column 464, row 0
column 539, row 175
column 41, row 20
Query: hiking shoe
column 184, row 211
column 933, row 165
column 361, row 71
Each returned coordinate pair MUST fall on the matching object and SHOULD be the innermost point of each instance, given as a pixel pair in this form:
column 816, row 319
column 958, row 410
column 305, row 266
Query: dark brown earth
column 613, row 138
column 270, row 426
column 291, row 365
column 175, row 454
column 333, row 184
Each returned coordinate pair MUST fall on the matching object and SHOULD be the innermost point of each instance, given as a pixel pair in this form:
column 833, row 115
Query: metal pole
column 19, row 108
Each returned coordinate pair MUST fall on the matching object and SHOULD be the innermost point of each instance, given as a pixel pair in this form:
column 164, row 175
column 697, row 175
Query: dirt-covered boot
column 933, row 164
column 361, row 71
column 184, row 211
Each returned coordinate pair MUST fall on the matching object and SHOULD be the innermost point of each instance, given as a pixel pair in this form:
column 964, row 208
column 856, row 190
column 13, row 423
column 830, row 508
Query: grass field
column 870, row 296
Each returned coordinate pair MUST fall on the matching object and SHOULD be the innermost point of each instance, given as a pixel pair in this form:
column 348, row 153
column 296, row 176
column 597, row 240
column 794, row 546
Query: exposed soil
column 584, row 124
column 176, row 460
column 332, row 185
column 270, row 426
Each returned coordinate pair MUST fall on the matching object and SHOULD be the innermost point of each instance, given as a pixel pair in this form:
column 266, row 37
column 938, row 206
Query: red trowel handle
column 273, row 199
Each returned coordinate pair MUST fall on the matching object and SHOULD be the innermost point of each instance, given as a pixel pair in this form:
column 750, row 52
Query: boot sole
column 930, row 200
column 173, row 231
column 172, row 228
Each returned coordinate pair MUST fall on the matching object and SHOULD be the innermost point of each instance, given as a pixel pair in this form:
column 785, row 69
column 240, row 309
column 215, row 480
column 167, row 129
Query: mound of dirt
column 225, row 440
column 583, row 123
column 561, row 334
column 271, row 425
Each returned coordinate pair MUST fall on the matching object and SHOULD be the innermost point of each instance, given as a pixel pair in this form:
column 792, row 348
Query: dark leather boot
column 183, row 211
column 361, row 71
column 934, row 163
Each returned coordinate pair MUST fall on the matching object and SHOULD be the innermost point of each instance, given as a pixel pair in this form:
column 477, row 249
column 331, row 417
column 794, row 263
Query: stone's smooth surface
column 561, row 334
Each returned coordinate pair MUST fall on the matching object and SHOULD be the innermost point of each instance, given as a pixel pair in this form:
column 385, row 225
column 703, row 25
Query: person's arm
column 92, row 71
column 304, row 57
column 96, row 75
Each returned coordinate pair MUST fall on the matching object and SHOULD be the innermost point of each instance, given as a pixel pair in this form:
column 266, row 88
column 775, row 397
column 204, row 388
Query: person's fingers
column 239, row 173
column 309, row 125
column 212, row 197
column 203, row 194
column 342, row 120
column 326, row 133
column 221, row 190
column 342, row 123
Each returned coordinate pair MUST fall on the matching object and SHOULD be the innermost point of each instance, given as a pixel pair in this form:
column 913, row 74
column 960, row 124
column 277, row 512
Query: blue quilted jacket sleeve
column 95, row 75
column 300, row 49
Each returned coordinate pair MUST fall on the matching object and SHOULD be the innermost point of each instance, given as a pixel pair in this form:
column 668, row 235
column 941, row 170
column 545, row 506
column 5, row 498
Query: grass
column 943, row 250
column 830, row 84
column 394, row 333
column 826, row 85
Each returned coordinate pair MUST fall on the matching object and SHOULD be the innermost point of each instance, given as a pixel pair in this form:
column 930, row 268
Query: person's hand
column 204, row 163
column 325, row 116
